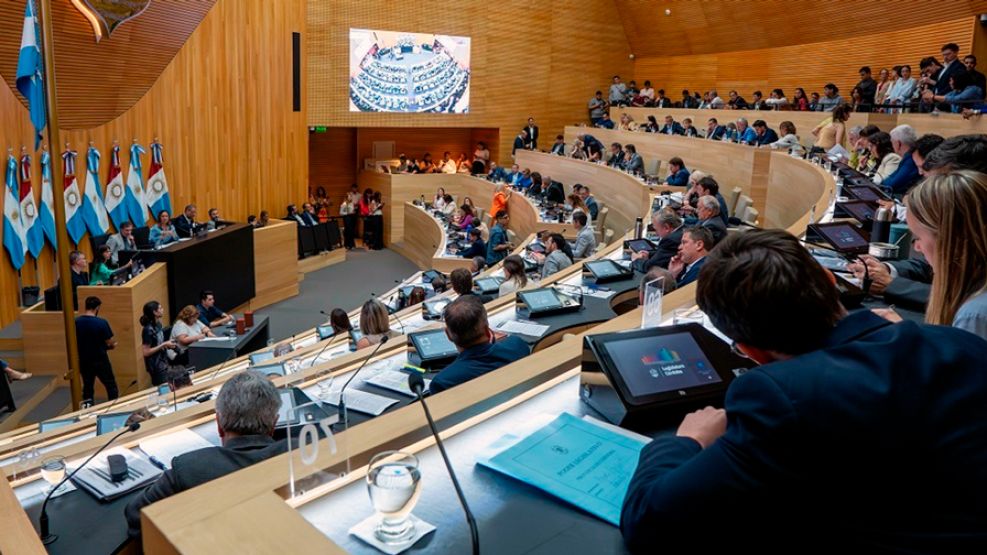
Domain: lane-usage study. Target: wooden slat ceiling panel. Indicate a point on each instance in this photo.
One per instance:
(714, 26)
(99, 81)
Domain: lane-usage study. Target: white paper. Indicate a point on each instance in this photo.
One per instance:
(523, 327)
(165, 448)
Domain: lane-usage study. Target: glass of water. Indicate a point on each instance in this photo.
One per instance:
(52, 471)
(394, 484)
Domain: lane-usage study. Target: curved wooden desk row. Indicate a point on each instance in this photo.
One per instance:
(947, 125)
(211, 517)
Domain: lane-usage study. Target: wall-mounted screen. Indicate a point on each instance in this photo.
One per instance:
(409, 72)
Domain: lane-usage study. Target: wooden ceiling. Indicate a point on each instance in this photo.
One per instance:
(710, 26)
(98, 82)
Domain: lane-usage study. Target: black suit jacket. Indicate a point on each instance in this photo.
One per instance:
(667, 248)
(532, 137)
(556, 193)
(183, 225)
(518, 145)
(979, 80)
(942, 80)
(913, 285)
(201, 466)
(874, 443)
(716, 226)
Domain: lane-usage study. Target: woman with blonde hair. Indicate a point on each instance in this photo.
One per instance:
(947, 215)
(375, 324)
(832, 130)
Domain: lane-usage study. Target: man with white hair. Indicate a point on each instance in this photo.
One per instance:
(708, 210)
(246, 412)
(903, 140)
(745, 133)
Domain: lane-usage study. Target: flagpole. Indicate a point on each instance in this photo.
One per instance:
(61, 231)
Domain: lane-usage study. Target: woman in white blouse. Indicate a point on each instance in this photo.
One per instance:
(514, 277)
(789, 140)
(882, 151)
(481, 158)
(188, 329)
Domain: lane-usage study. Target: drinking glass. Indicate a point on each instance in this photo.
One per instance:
(687, 316)
(52, 471)
(394, 485)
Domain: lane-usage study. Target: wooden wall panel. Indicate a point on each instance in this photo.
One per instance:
(729, 25)
(800, 65)
(415, 141)
(332, 162)
(222, 109)
(99, 81)
(528, 58)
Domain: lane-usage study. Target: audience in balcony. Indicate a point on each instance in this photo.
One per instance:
(800, 102)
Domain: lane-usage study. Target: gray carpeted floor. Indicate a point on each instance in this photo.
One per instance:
(345, 285)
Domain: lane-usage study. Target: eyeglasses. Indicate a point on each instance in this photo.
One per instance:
(736, 350)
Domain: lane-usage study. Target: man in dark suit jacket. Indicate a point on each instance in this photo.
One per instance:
(308, 215)
(671, 127)
(532, 131)
(479, 352)
(616, 159)
(246, 413)
(519, 142)
(714, 131)
(854, 435)
(693, 248)
(978, 79)
(185, 223)
(951, 66)
(906, 283)
(668, 226)
(765, 135)
(708, 211)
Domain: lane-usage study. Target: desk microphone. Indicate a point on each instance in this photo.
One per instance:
(328, 341)
(342, 403)
(400, 323)
(417, 385)
(47, 537)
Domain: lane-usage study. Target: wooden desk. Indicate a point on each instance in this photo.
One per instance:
(44, 335)
(275, 263)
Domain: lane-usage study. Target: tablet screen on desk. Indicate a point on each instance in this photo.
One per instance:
(604, 268)
(488, 284)
(540, 299)
(652, 365)
(844, 237)
(271, 369)
(435, 308)
(638, 245)
(107, 423)
(54, 424)
(864, 192)
(860, 210)
(433, 345)
(257, 358)
(325, 332)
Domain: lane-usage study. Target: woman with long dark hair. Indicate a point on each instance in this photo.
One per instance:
(153, 344)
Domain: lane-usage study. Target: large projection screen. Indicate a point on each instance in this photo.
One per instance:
(409, 72)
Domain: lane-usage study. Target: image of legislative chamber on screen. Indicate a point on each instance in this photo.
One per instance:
(408, 72)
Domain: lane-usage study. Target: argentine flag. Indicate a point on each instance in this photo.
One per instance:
(158, 198)
(116, 191)
(13, 230)
(30, 72)
(33, 233)
(46, 212)
(93, 209)
(135, 201)
(74, 223)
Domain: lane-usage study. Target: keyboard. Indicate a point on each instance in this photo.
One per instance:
(362, 401)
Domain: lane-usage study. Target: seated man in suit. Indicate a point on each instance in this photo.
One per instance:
(708, 210)
(695, 245)
(185, 224)
(555, 257)
(215, 220)
(854, 435)
(558, 147)
(554, 191)
(616, 159)
(584, 193)
(209, 313)
(633, 163)
(585, 244)
(678, 174)
(308, 215)
(477, 246)
(668, 227)
(671, 127)
(479, 351)
(496, 172)
(246, 413)
(121, 241)
(714, 131)
(745, 135)
(765, 135)
(906, 283)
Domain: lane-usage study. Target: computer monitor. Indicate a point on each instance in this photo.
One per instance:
(55, 424)
(844, 237)
(488, 285)
(324, 332)
(108, 423)
(607, 270)
(433, 347)
(259, 357)
(276, 369)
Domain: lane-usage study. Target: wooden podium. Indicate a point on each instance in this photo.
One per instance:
(44, 336)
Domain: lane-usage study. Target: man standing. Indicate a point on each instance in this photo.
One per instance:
(122, 241)
(868, 89)
(597, 107)
(668, 226)
(532, 130)
(479, 351)
(209, 313)
(950, 67)
(854, 435)
(970, 61)
(246, 413)
(695, 245)
(499, 246)
(95, 337)
(78, 265)
(618, 92)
